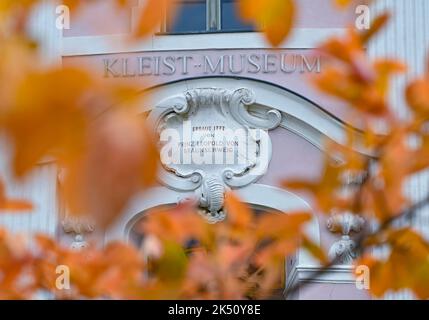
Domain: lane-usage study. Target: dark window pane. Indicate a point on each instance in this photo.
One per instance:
(190, 16)
(230, 18)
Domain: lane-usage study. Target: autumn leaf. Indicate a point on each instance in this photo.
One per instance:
(12, 205)
(178, 224)
(122, 274)
(352, 78)
(152, 16)
(119, 159)
(14, 262)
(15, 15)
(315, 250)
(239, 215)
(220, 273)
(274, 17)
(108, 154)
(280, 235)
(172, 264)
(342, 3)
(113, 271)
(324, 189)
(417, 95)
(42, 121)
(395, 167)
(17, 61)
(282, 225)
(95, 143)
(376, 25)
(406, 267)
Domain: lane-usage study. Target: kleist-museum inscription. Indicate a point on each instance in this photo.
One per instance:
(147, 64)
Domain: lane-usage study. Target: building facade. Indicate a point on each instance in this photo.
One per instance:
(210, 68)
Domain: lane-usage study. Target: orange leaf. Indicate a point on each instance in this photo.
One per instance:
(379, 22)
(275, 17)
(152, 16)
(406, 267)
(42, 120)
(352, 78)
(418, 97)
(178, 224)
(315, 250)
(12, 205)
(120, 158)
(342, 3)
(239, 215)
(281, 225)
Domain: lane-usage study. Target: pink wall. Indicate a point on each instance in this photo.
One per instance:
(293, 158)
(100, 17)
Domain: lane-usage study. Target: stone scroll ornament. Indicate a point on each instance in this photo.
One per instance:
(344, 250)
(210, 143)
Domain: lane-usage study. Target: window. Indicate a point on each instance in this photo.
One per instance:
(230, 20)
(205, 16)
(190, 16)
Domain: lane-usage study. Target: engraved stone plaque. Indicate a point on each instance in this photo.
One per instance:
(210, 142)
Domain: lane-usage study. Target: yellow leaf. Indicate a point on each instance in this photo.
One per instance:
(119, 159)
(342, 3)
(173, 263)
(42, 121)
(152, 16)
(274, 17)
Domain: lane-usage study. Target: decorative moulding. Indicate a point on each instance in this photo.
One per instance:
(339, 274)
(299, 115)
(203, 119)
(344, 250)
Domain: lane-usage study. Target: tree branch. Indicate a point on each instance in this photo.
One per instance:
(360, 242)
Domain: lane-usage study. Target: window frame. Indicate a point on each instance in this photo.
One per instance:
(213, 21)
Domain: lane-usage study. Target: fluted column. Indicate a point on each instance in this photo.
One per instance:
(40, 186)
(406, 38)
(43, 28)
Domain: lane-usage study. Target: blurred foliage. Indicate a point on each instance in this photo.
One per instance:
(66, 114)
